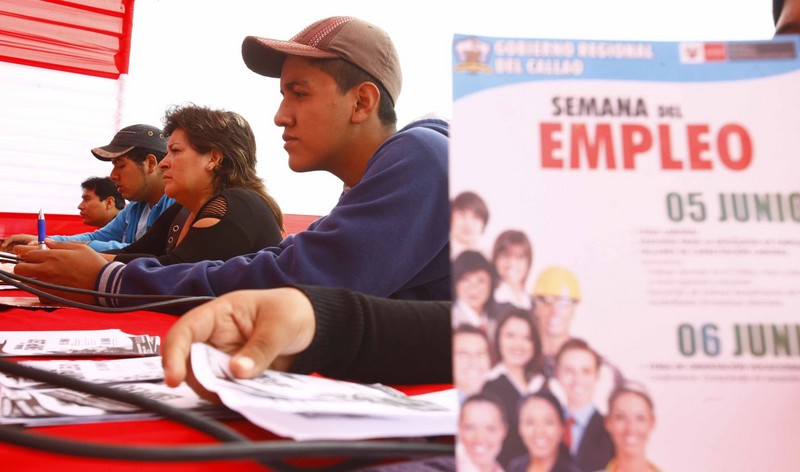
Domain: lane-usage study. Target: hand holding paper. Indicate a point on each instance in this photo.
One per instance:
(260, 328)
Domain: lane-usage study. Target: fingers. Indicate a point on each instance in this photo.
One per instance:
(79, 245)
(34, 263)
(200, 390)
(283, 326)
(256, 355)
(62, 263)
(195, 326)
(175, 355)
(261, 329)
(15, 240)
(22, 249)
(33, 253)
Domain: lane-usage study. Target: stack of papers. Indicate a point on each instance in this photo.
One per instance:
(301, 407)
(32, 403)
(105, 343)
(306, 407)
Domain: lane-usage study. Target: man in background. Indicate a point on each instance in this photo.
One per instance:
(471, 359)
(577, 373)
(100, 201)
(557, 296)
(135, 153)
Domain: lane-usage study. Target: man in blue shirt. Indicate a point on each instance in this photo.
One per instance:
(135, 153)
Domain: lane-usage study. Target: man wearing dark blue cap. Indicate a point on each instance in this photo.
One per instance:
(135, 153)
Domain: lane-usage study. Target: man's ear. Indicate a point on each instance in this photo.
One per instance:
(109, 202)
(367, 99)
(150, 163)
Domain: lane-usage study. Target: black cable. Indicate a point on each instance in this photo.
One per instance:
(358, 453)
(190, 418)
(236, 447)
(203, 452)
(11, 277)
(167, 300)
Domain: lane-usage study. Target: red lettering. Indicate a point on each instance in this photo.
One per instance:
(697, 147)
(665, 145)
(581, 142)
(631, 145)
(745, 146)
(550, 144)
(593, 146)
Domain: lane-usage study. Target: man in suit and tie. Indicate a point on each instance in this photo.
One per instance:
(576, 373)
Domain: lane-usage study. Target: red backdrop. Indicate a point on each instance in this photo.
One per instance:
(89, 37)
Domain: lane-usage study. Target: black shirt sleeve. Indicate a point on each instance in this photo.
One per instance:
(371, 339)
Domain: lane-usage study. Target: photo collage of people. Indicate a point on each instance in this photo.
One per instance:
(532, 396)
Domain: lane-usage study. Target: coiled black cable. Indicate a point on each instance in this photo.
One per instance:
(270, 453)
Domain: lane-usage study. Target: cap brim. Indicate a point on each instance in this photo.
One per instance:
(106, 153)
(265, 56)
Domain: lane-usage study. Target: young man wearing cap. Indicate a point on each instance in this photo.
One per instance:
(135, 153)
(387, 236)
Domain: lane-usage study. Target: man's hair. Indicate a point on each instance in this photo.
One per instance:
(466, 328)
(473, 202)
(138, 155)
(103, 187)
(347, 76)
(577, 344)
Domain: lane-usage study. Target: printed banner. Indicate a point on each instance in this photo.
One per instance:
(626, 232)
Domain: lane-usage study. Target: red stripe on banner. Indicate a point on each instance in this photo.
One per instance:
(90, 37)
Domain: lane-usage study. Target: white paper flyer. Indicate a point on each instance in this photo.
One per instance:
(646, 197)
(307, 407)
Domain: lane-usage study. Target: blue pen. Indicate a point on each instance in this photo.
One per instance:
(42, 231)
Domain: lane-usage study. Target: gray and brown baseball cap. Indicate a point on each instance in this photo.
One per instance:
(356, 41)
(145, 137)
